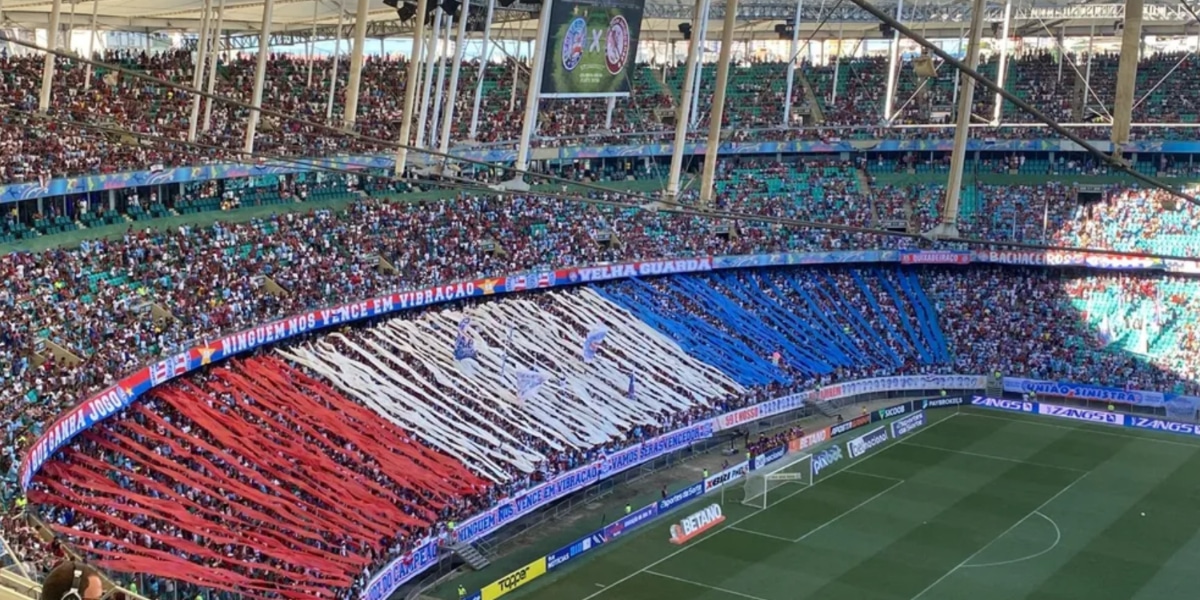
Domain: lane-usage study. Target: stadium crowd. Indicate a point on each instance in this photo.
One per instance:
(32, 147)
(116, 304)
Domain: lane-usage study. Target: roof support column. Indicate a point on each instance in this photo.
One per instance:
(837, 64)
(998, 108)
(87, 80)
(966, 98)
(337, 59)
(198, 67)
(427, 83)
(435, 122)
(212, 65)
(1131, 40)
(356, 60)
(793, 50)
(683, 106)
(260, 74)
(717, 115)
(483, 64)
(312, 45)
(48, 66)
(460, 45)
(410, 90)
(533, 97)
(893, 66)
(702, 34)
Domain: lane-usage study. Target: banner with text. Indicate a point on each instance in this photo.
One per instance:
(899, 383)
(591, 48)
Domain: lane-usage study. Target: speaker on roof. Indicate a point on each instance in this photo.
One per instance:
(785, 30)
(450, 7)
(686, 30)
(886, 30)
(406, 12)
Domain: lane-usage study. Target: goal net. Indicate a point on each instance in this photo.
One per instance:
(762, 484)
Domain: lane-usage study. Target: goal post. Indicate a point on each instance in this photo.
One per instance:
(761, 484)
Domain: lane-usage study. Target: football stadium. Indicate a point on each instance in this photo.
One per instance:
(599, 299)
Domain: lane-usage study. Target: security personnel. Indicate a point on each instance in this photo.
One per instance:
(462, 592)
(943, 393)
(705, 472)
(1111, 407)
(133, 587)
(628, 508)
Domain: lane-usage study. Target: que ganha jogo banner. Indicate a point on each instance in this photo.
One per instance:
(592, 48)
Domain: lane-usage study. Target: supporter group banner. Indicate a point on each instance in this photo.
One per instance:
(591, 48)
(899, 383)
(935, 257)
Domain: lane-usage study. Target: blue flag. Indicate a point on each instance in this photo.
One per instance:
(591, 344)
(464, 346)
(632, 386)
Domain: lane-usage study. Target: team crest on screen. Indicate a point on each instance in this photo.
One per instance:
(616, 51)
(572, 44)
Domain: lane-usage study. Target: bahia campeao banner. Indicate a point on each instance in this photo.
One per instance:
(592, 48)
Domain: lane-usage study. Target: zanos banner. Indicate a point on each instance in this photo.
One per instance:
(592, 48)
(1004, 404)
(1080, 414)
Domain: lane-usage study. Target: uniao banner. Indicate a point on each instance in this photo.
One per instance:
(899, 383)
(1082, 391)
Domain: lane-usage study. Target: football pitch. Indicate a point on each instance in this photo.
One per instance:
(977, 505)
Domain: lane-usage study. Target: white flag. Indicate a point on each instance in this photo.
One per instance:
(529, 383)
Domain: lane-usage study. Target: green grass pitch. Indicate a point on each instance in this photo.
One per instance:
(975, 506)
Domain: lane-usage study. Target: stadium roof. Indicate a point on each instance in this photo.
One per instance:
(293, 19)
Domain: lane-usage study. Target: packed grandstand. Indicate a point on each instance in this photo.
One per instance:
(300, 469)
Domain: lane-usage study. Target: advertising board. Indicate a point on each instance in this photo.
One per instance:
(514, 580)
(696, 523)
(864, 443)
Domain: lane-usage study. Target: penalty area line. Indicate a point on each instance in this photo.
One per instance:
(976, 553)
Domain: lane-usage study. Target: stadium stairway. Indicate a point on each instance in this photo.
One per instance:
(818, 114)
(470, 555)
